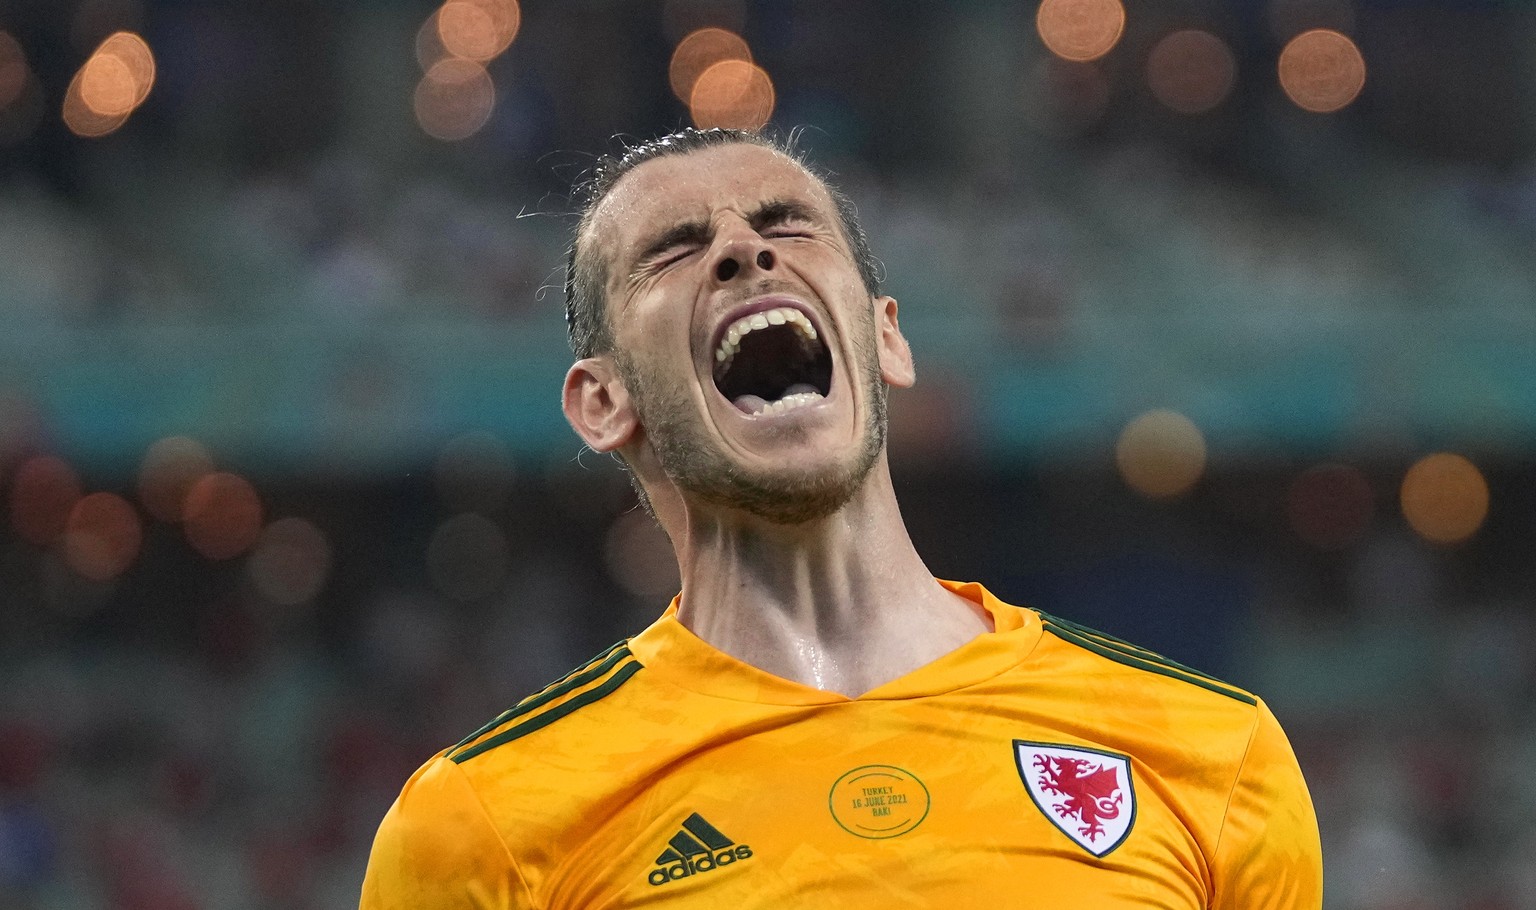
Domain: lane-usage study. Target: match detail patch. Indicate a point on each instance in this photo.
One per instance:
(1087, 794)
(878, 801)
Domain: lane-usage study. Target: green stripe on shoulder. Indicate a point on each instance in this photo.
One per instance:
(540, 721)
(1120, 644)
(582, 675)
(1140, 658)
(551, 691)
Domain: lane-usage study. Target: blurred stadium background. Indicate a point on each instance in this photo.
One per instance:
(1225, 313)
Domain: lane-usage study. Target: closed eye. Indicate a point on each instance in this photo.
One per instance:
(674, 245)
(673, 256)
(785, 219)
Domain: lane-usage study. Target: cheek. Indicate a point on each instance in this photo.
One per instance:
(657, 345)
(834, 271)
(658, 321)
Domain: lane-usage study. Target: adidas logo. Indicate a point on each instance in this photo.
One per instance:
(699, 847)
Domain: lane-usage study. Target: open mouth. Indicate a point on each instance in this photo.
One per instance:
(772, 362)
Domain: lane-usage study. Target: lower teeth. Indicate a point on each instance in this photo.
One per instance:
(752, 404)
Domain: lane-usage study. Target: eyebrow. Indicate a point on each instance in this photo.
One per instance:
(687, 232)
(778, 211)
(774, 211)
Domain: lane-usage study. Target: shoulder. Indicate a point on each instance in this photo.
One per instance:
(437, 847)
(1185, 728)
(1216, 744)
(475, 818)
(589, 684)
(1089, 648)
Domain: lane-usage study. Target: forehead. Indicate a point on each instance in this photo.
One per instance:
(697, 185)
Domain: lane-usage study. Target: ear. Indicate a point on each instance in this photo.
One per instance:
(598, 405)
(895, 356)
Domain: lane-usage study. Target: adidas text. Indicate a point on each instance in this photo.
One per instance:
(704, 862)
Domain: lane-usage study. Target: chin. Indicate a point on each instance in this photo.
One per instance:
(790, 498)
(794, 494)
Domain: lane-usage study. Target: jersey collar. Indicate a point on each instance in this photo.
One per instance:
(670, 651)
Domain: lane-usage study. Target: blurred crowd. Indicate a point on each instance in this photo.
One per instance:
(336, 244)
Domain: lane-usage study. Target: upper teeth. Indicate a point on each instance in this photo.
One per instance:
(739, 329)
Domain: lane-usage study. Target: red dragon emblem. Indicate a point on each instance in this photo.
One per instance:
(1087, 793)
(1092, 792)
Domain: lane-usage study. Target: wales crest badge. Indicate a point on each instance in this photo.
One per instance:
(1086, 793)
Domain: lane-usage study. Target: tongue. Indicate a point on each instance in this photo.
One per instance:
(749, 404)
(799, 388)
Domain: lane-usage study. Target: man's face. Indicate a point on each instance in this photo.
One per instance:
(742, 330)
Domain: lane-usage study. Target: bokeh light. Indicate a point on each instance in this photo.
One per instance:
(468, 557)
(1445, 498)
(454, 99)
(14, 72)
(734, 94)
(1080, 30)
(699, 51)
(102, 537)
(84, 122)
(135, 53)
(109, 86)
(20, 117)
(474, 473)
(1330, 505)
(169, 469)
(222, 515)
(1321, 70)
(640, 558)
(118, 77)
(44, 491)
(290, 563)
(429, 44)
(466, 30)
(478, 29)
(1161, 454)
(1191, 71)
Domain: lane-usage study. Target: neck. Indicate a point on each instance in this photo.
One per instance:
(843, 603)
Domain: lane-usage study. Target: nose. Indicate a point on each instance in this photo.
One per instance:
(741, 254)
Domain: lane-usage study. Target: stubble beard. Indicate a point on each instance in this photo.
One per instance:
(791, 495)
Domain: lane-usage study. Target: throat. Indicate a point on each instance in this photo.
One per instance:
(801, 613)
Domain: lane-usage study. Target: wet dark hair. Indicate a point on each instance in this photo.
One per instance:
(585, 273)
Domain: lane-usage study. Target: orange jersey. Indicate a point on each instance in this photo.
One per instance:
(1040, 765)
